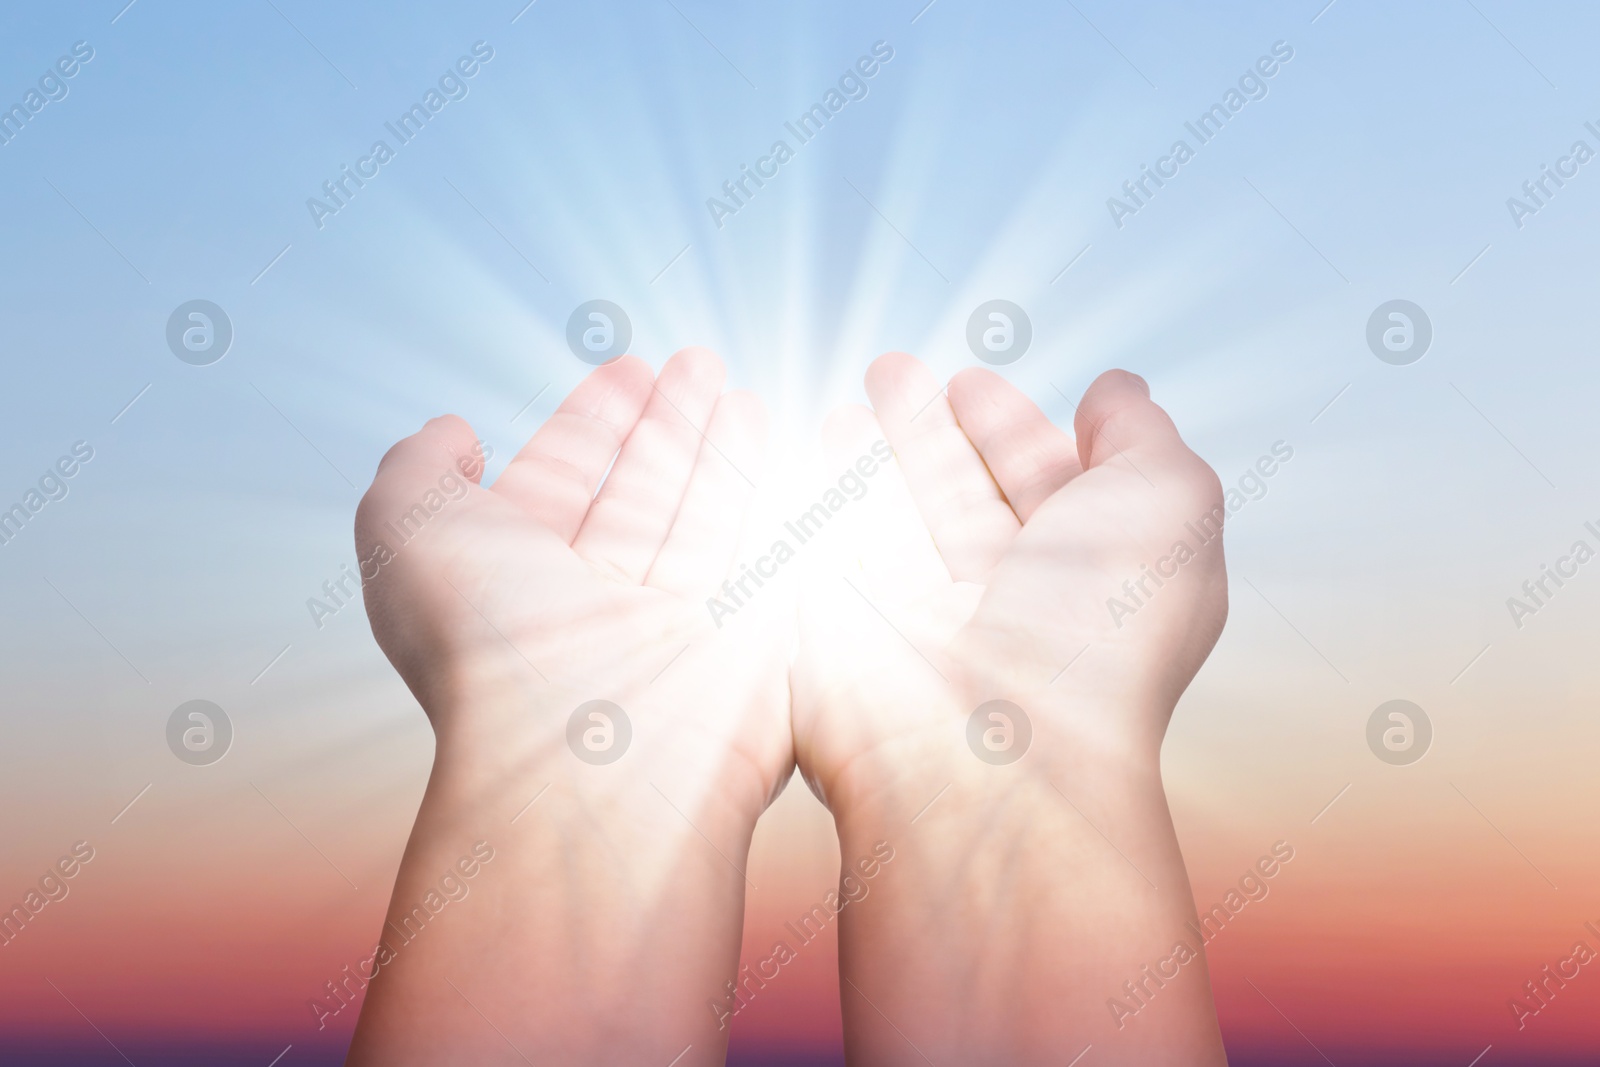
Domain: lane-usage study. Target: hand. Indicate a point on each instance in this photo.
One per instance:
(1024, 893)
(612, 912)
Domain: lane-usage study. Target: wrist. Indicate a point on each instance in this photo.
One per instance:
(625, 772)
(993, 754)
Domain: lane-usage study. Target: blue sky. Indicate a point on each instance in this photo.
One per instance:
(977, 167)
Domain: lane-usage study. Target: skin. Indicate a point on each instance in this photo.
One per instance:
(1023, 895)
(979, 565)
(611, 912)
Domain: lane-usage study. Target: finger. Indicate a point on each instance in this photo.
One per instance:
(1027, 454)
(439, 459)
(629, 520)
(968, 517)
(555, 475)
(1117, 422)
(700, 548)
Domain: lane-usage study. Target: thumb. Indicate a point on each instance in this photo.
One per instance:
(1118, 418)
(443, 458)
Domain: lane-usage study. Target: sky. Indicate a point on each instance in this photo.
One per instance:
(1384, 159)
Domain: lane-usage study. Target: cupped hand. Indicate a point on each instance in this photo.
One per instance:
(505, 608)
(609, 920)
(1016, 563)
(1035, 864)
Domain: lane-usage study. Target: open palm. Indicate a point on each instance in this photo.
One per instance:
(1035, 859)
(511, 612)
(540, 585)
(990, 577)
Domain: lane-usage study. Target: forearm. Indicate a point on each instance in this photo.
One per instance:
(1017, 907)
(598, 932)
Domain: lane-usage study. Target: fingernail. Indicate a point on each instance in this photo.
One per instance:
(1143, 385)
